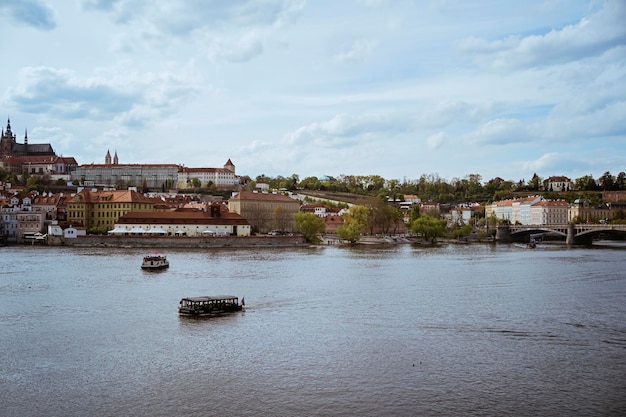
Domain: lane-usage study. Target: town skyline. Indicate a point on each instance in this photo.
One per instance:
(110, 159)
(396, 89)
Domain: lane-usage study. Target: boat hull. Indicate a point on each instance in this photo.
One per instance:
(155, 263)
(207, 306)
(208, 312)
(155, 267)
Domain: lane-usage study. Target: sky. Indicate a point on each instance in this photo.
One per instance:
(395, 88)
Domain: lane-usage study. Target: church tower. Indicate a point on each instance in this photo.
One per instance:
(229, 166)
(115, 160)
(7, 140)
(107, 158)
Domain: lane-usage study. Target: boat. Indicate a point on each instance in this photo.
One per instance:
(210, 305)
(155, 262)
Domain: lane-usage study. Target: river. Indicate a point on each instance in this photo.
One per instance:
(472, 330)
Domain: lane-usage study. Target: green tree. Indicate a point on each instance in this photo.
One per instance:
(429, 227)
(195, 182)
(586, 183)
(462, 231)
(356, 221)
(607, 181)
(310, 183)
(534, 183)
(415, 213)
(33, 182)
(309, 225)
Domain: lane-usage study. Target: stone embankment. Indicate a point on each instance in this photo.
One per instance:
(184, 241)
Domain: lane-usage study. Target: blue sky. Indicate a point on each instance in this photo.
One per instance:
(395, 88)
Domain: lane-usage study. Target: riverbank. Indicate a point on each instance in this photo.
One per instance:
(182, 241)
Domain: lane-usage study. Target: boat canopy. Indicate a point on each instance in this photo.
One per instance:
(157, 231)
(117, 231)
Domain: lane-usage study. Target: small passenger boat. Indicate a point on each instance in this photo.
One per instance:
(210, 305)
(155, 262)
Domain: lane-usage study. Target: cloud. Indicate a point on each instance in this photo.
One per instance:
(605, 121)
(591, 36)
(454, 111)
(60, 138)
(59, 93)
(435, 141)
(556, 163)
(500, 132)
(33, 13)
(345, 130)
(106, 5)
(235, 49)
(357, 51)
(62, 94)
(231, 30)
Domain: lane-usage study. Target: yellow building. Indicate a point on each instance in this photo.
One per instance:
(90, 208)
(264, 211)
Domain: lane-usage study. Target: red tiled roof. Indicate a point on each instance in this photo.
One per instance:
(178, 217)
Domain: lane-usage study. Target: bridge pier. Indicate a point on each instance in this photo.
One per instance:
(571, 233)
(503, 233)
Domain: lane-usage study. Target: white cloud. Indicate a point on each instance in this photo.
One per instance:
(591, 36)
(343, 130)
(435, 141)
(61, 93)
(500, 132)
(357, 51)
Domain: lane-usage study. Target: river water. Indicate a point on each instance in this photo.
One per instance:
(327, 331)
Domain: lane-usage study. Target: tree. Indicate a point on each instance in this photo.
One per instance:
(281, 219)
(607, 181)
(33, 182)
(620, 181)
(356, 221)
(309, 225)
(195, 183)
(586, 183)
(534, 183)
(462, 231)
(310, 183)
(429, 227)
(415, 213)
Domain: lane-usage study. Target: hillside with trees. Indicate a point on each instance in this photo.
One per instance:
(471, 188)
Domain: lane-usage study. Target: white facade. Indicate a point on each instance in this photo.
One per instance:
(221, 177)
(549, 213)
(181, 229)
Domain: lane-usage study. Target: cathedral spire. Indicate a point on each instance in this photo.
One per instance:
(25, 136)
(107, 158)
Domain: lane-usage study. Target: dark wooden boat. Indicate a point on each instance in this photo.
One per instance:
(210, 305)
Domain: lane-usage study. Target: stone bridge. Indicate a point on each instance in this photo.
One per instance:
(575, 234)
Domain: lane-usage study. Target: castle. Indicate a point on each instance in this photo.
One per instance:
(9, 146)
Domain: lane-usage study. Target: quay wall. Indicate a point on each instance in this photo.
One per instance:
(184, 241)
